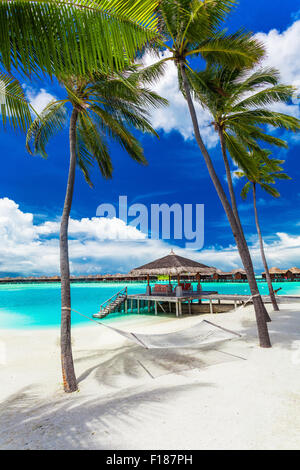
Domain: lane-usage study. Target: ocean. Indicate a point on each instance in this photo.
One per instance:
(28, 306)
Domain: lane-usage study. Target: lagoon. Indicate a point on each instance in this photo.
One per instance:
(33, 306)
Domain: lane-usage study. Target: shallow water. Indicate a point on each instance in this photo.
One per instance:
(27, 306)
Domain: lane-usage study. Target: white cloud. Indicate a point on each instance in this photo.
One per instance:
(176, 116)
(29, 248)
(38, 99)
(283, 52)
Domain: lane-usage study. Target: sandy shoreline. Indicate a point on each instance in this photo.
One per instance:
(238, 396)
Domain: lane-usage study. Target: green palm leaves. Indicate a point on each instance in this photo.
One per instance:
(192, 29)
(262, 171)
(108, 108)
(59, 37)
(239, 102)
(15, 110)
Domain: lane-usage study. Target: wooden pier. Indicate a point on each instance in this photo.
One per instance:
(189, 303)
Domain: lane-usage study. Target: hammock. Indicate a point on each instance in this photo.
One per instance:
(202, 334)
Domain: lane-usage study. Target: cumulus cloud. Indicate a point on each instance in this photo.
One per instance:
(283, 52)
(176, 116)
(32, 249)
(38, 99)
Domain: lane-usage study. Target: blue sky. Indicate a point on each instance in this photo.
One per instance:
(32, 189)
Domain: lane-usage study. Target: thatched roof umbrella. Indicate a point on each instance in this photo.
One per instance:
(172, 264)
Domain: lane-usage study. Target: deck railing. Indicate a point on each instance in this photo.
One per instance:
(122, 292)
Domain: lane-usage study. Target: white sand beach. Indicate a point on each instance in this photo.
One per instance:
(238, 396)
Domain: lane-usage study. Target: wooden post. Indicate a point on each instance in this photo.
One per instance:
(138, 305)
(190, 307)
(155, 306)
(148, 305)
(126, 306)
(180, 308)
(177, 309)
(211, 306)
(148, 279)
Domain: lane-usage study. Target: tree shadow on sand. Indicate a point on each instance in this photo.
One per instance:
(75, 422)
(283, 329)
(128, 398)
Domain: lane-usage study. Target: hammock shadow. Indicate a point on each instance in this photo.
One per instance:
(136, 363)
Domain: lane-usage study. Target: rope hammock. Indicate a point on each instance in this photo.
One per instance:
(202, 334)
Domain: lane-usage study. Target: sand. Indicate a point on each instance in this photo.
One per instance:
(237, 396)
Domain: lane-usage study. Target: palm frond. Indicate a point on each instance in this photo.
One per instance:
(116, 130)
(59, 37)
(265, 97)
(236, 50)
(92, 146)
(52, 119)
(264, 116)
(245, 190)
(15, 109)
(239, 154)
(270, 190)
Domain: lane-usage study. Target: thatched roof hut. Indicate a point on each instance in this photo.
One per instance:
(295, 270)
(172, 264)
(222, 275)
(276, 273)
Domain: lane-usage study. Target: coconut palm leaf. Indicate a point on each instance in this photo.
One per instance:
(60, 37)
(109, 107)
(15, 109)
(52, 120)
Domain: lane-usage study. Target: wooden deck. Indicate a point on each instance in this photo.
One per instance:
(188, 303)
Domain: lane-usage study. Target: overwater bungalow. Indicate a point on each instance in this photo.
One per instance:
(234, 275)
(276, 274)
(222, 276)
(239, 275)
(292, 274)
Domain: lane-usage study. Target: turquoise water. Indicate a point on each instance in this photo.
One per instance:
(38, 305)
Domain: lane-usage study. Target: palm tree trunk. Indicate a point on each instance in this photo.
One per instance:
(262, 251)
(68, 372)
(229, 181)
(260, 310)
(233, 200)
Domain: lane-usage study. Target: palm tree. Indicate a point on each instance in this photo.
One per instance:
(192, 29)
(15, 109)
(102, 108)
(66, 39)
(238, 101)
(262, 172)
